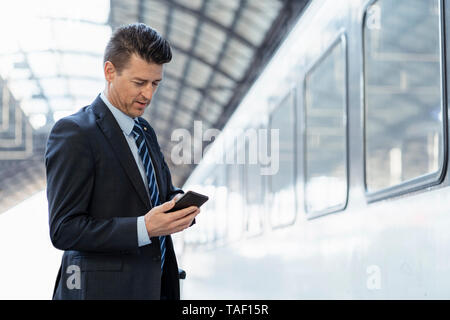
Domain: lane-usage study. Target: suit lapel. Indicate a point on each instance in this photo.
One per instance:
(108, 124)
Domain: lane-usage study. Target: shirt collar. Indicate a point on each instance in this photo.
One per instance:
(125, 122)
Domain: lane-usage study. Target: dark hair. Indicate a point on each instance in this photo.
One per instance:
(140, 39)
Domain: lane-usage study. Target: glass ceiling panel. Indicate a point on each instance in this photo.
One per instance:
(212, 34)
(61, 114)
(19, 74)
(220, 95)
(270, 11)
(207, 51)
(158, 126)
(234, 66)
(256, 20)
(222, 11)
(254, 16)
(29, 41)
(44, 64)
(198, 74)
(168, 93)
(236, 58)
(210, 110)
(62, 104)
(23, 88)
(264, 8)
(184, 114)
(34, 106)
(164, 110)
(221, 83)
(54, 87)
(6, 64)
(193, 4)
(241, 50)
(85, 88)
(155, 9)
(155, 16)
(82, 65)
(81, 102)
(190, 98)
(75, 35)
(181, 35)
(183, 119)
(184, 21)
(124, 11)
(54, 38)
(96, 11)
(251, 32)
(157, 25)
(169, 83)
(210, 42)
(176, 66)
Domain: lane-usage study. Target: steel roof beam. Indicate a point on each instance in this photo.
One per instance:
(200, 15)
(277, 32)
(191, 55)
(225, 44)
(187, 66)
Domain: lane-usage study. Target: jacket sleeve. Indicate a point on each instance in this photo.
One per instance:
(70, 168)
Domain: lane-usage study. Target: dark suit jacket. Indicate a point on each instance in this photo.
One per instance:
(95, 194)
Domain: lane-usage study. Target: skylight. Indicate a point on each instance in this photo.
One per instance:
(51, 54)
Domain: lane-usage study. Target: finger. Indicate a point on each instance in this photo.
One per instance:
(178, 196)
(183, 222)
(186, 222)
(182, 227)
(183, 212)
(165, 206)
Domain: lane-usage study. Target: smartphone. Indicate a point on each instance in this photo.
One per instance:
(188, 199)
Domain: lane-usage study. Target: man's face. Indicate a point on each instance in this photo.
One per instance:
(131, 91)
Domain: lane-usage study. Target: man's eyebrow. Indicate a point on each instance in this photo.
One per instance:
(140, 79)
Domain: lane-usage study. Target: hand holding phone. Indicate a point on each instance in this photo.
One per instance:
(157, 226)
(188, 199)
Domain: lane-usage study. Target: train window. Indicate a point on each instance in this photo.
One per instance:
(404, 127)
(254, 186)
(282, 182)
(326, 182)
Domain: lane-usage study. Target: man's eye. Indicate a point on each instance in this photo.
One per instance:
(138, 83)
(155, 84)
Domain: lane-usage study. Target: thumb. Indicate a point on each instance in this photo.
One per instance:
(167, 205)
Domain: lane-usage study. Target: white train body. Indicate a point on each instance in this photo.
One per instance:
(375, 224)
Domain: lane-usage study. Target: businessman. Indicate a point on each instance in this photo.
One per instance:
(108, 185)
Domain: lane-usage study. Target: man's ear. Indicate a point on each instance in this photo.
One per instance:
(109, 70)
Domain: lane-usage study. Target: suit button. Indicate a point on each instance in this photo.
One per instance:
(157, 258)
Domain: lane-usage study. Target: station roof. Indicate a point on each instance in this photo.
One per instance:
(54, 67)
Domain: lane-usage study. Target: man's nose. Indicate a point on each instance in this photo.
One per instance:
(148, 92)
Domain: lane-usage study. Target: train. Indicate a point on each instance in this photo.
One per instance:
(330, 180)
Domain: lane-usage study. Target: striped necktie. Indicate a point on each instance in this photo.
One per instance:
(144, 153)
